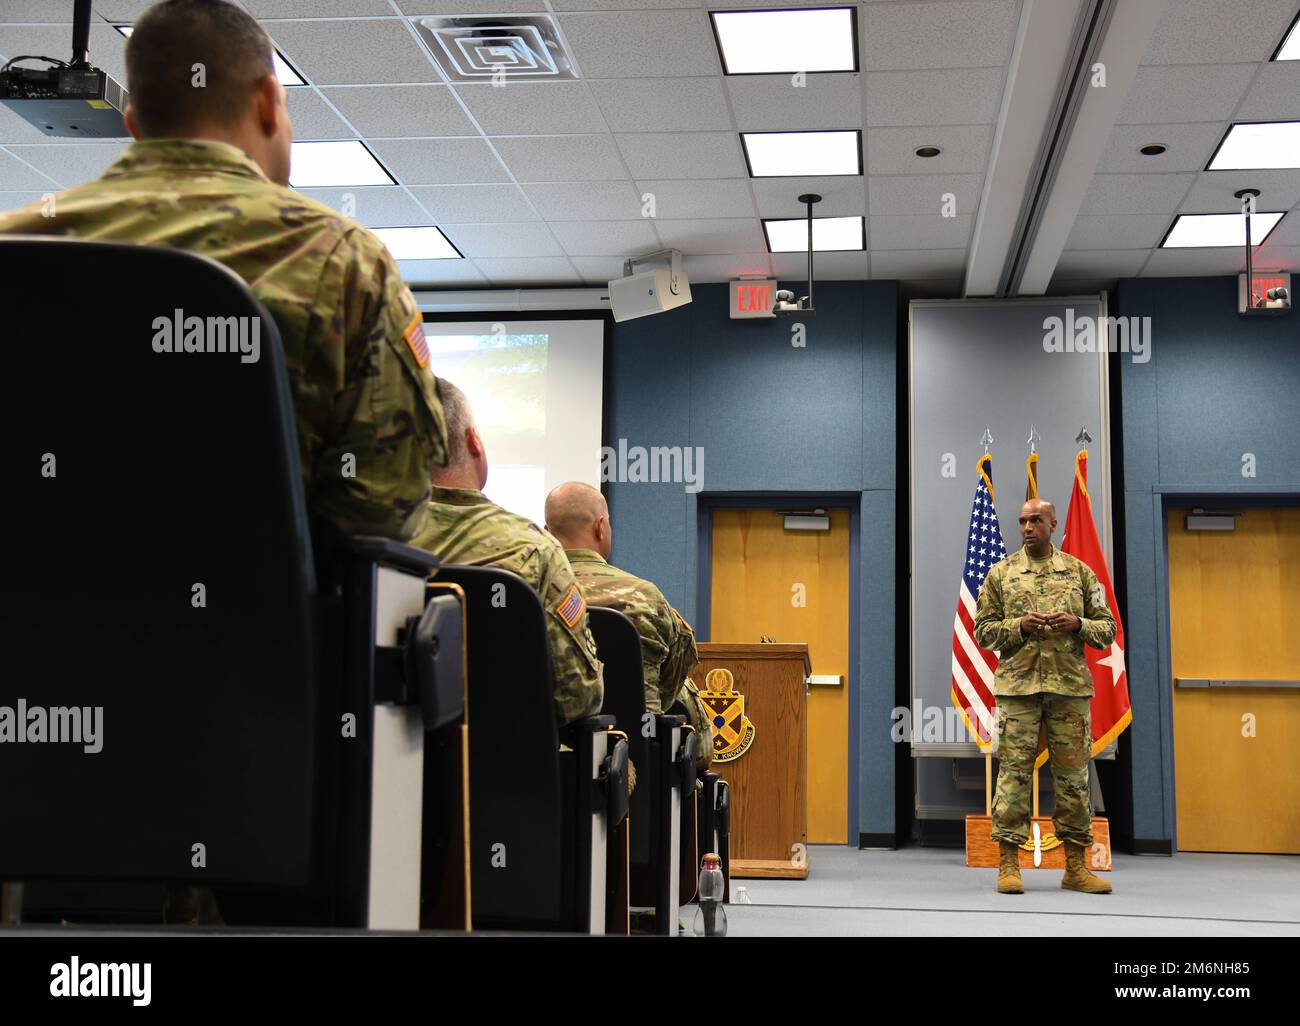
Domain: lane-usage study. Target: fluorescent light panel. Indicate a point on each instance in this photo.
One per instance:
(283, 69)
(417, 243)
(802, 154)
(1258, 145)
(1290, 48)
(1200, 231)
(316, 165)
(829, 234)
(784, 42)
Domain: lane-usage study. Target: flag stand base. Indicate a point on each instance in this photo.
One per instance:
(982, 851)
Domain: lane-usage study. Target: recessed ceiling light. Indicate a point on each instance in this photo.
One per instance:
(1290, 48)
(346, 162)
(928, 151)
(1260, 144)
(786, 42)
(1152, 150)
(417, 243)
(1198, 231)
(284, 71)
(829, 233)
(794, 154)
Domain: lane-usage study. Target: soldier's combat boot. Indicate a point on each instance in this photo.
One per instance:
(1077, 875)
(1009, 868)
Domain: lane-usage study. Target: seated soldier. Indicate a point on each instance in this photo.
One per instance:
(465, 526)
(209, 172)
(578, 516)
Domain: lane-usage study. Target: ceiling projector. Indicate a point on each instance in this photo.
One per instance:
(649, 292)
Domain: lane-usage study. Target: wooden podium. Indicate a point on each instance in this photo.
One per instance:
(769, 780)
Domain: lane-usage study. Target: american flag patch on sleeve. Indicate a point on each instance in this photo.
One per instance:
(414, 335)
(572, 606)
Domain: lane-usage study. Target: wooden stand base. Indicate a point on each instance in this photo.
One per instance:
(782, 869)
(982, 850)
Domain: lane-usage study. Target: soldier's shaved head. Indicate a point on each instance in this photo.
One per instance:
(1037, 522)
(577, 514)
(466, 457)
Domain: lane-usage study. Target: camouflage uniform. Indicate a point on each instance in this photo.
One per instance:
(356, 356)
(1043, 677)
(465, 526)
(668, 650)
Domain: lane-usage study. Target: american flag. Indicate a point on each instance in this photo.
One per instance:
(972, 666)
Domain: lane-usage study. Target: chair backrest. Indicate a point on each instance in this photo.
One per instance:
(158, 585)
(518, 833)
(619, 647)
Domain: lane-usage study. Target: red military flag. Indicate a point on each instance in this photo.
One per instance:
(1110, 705)
(972, 666)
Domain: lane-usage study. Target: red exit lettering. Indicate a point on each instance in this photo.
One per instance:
(752, 297)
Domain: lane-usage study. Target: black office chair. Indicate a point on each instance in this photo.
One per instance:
(662, 748)
(262, 732)
(539, 817)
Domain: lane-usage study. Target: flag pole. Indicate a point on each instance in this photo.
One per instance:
(987, 440)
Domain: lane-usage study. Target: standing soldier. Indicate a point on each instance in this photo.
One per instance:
(1038, 608)
(210, 173)
(465, 526)
(576, 513)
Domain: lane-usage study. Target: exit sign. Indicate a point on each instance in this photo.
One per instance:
(1278, 283)
(752, 299)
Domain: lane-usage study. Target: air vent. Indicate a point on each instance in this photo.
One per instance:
(479, 49)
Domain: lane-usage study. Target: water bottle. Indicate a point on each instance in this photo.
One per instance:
(711, 916)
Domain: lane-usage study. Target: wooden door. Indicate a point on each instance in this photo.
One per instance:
(1234, 606)
(793, 586)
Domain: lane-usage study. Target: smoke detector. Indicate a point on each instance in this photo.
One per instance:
(523, 47)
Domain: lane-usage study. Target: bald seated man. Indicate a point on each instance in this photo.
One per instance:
(465, 526)
(576, 513)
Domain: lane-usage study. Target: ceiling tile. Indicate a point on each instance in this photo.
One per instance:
(399, 111)
(598, 270)
(930, 231)
(317, 8)
(460, 7)
(841, 196)
(683, 155)
(578, 201)
(938, 35)
(533, 108)
(1214, 32)
(419, 273)
(542, 271)
(503, 240)
(474, 204)
(1135, 231)
(17, 176)
(1281, 258)
(67, 165)
(14, 200)
(1287, 232)
(605, 238)
(1101, 263)
(379, 207)
(622, 5)
(892, 151)
(923, 194)
(1170, 262)
(37, 11)
(365, 51)
(792, 269)
(642, 44)
(728, 197)
(771, 103)
(561, 158)
(1213, 191)
(1135, 194)
(1188, 147)
(1172, 94)
(312, 117)
(919, 263)
(729, 235)
(121, 12)
(966, 96)
(663, 104)
(708, 268)
(440, 161)
(1274, 95)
